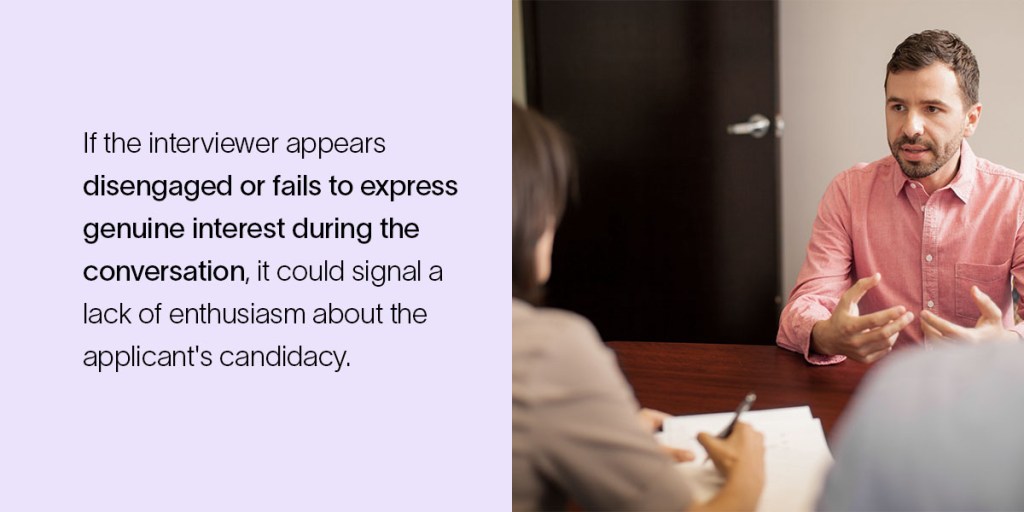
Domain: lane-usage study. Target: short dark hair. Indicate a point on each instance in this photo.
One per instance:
(921, 50)
(542, 170)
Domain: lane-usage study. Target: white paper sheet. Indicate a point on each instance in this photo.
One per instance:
(796, 455)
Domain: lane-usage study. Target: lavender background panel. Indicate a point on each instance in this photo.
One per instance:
(420, 417)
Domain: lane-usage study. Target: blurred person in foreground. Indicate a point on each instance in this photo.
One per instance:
(934, 430)
(577, 431)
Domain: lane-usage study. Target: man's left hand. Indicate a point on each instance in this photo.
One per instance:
(989, 326)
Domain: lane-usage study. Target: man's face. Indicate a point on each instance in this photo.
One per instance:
(926, 120)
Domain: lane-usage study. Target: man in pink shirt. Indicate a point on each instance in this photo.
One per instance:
(920, 245)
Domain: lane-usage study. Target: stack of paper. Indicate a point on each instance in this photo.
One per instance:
(796, 455)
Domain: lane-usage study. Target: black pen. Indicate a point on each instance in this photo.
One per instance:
(743, 407)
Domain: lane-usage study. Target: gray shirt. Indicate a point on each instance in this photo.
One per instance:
(934, 430)
(575, 432)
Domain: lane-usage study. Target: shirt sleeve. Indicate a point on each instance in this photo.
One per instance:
(588, 437)
(824, 276)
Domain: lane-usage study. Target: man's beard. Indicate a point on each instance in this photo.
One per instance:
(918, 170)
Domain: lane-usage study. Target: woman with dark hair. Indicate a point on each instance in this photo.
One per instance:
(576, 430)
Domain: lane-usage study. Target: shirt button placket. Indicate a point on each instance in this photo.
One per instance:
(929, 272)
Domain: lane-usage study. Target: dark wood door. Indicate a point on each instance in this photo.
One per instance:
(675, 233)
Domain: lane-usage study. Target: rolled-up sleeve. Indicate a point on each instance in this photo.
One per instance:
(824, 276)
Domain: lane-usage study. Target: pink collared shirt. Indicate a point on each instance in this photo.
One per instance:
(930, 250)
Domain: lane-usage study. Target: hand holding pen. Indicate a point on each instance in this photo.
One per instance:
(738, 452)
(743, 407)
(727, 431)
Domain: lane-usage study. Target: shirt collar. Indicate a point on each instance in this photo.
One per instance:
(962, 184)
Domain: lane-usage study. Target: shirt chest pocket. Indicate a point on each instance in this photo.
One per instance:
(993, 280)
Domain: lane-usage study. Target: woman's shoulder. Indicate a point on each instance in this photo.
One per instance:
(550, 327)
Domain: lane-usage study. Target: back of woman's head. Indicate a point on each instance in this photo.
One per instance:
(541, 173)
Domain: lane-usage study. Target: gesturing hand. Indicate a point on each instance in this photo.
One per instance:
(989, 326)
(861, 338)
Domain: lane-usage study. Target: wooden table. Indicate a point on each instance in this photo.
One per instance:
(694, 378)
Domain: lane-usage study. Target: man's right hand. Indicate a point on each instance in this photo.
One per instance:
(861, 338)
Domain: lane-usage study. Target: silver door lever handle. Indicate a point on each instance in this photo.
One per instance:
(757, 126)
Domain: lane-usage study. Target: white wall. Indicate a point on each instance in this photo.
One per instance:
(832, 64)
(518, 71)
